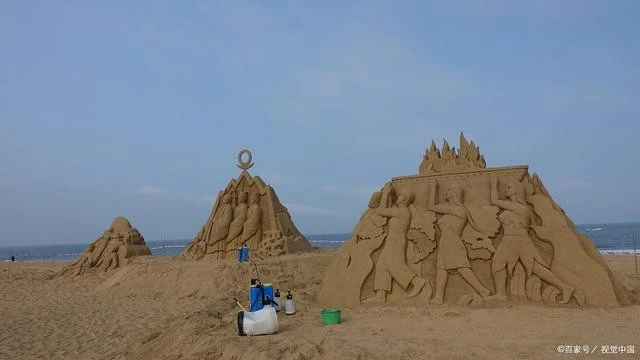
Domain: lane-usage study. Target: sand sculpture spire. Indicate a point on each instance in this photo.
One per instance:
(467, 157)
(111, 250)
(245, 164)
(473, 235)
(249, 212)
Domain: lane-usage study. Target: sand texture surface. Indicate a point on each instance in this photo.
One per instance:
(168, 308)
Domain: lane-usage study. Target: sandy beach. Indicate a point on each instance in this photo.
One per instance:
(167, 308)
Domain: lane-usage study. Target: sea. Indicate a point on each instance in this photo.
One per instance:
(611, 239)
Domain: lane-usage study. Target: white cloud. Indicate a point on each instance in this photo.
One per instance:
(206, 199)
(402, 138)
(309, 210)
(359, 191)
(361, 75)
(545, 9)
(570, 97)
(274, 178)
(158, 193)
(152, 191)
(573, 189)
(572, 184)
(202, 199)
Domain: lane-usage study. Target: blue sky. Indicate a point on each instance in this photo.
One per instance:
(140, 108)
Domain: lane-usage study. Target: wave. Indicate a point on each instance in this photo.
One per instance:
(167, 246)
(595, 229)
(619, 252)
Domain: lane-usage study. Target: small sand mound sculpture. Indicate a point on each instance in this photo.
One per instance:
(111, 250)
(247, 212)
(462, 233)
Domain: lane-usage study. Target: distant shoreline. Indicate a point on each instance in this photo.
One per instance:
(586, 227)
(609, 238)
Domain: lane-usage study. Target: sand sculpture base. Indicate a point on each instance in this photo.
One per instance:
(461, 233)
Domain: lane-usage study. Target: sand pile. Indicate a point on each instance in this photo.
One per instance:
(111, 250)
(247, 212)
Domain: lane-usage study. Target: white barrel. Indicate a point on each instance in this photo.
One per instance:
(261, 322)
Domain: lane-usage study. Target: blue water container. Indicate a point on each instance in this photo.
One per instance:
(255, 297)
(259, 293)
(243, 254)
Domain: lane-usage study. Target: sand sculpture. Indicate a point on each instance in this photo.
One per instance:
(462, 233)
(111, 250)
(249, 212)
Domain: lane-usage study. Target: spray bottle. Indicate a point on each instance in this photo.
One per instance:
(276, 300)
(289, 305)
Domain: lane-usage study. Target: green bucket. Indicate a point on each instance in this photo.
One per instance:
(330, 316)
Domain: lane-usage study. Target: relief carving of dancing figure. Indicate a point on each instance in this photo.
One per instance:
(237, 225)
(392, 263)
(220, 226)
(516, 244)
(251, 229)
(452, 253)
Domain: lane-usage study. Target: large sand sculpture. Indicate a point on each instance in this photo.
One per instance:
(111, 250)
(247, 212)
(462, 233)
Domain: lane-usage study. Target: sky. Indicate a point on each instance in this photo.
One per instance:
(140, 108)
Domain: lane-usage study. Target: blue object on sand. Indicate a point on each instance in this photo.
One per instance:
(255, 297)
(243, 254)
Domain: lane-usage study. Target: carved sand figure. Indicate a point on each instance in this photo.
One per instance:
(251, 230)
(370, 235)
(237, 225)
(219, 228)
(113, 261)
(452, 254)
(392, 263)
(541, 251)
(356, 265)
(517, 244)
(101, 246)
(573, 254)
(111, 250)
(371, 225)
(422, 233)
(263, 223)
(86, 260)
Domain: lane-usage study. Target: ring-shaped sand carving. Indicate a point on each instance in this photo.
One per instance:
(245, 165)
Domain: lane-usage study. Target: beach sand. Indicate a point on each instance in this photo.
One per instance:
(167, 308)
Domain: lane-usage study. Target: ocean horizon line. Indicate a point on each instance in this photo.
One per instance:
(67, 259)
(158, 240)
(591, 228)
